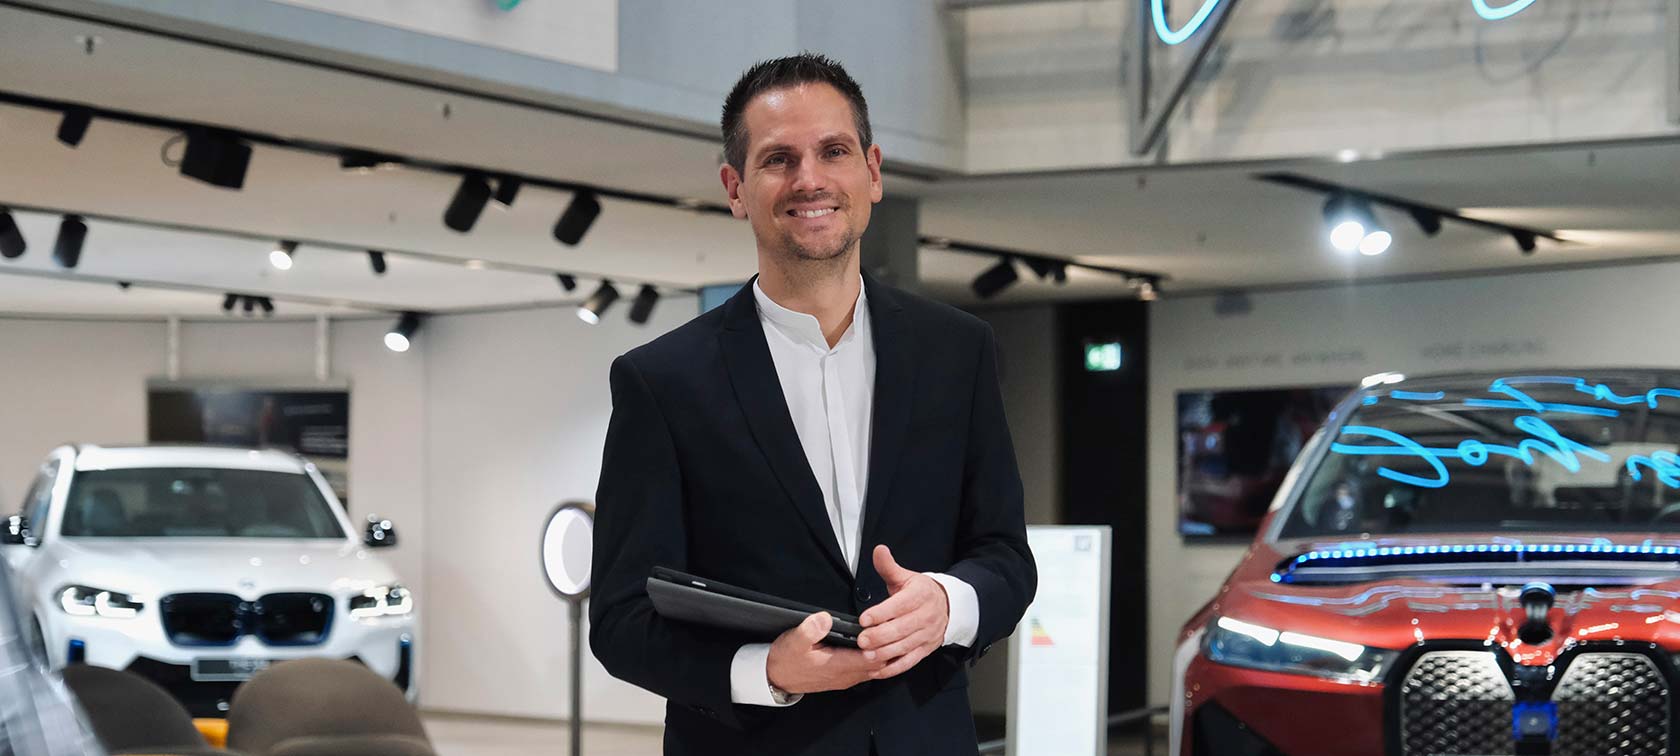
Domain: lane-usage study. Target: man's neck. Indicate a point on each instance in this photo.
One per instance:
(827, 293)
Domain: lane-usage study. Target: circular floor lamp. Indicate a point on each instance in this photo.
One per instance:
(567, 548)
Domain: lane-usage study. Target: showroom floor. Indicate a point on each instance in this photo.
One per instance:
(467, 735)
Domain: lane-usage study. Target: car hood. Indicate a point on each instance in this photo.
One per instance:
(247, 567)
(1395, 613)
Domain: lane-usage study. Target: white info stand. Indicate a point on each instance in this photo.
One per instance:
(1058, 656)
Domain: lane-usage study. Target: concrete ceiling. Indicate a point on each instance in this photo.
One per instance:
(1206, 228)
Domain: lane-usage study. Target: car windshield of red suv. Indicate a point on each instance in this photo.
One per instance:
(1553, 453)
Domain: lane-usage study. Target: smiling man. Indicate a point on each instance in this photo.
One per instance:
(821, 437)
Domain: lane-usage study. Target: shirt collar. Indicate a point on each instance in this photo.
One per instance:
(806, 327)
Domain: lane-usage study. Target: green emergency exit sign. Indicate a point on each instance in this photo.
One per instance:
(1101, 358)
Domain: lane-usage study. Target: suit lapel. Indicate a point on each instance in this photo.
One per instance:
(758, 389)
(895, 376)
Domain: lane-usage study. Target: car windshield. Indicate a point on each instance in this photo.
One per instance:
(1558, 453)
(196, 502)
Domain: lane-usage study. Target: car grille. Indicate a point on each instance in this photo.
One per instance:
(219, 619)
(1459, 703)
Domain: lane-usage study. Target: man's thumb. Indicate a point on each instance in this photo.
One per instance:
(886, 566)
(816, 627)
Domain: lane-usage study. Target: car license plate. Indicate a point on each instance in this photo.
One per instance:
(224, 670)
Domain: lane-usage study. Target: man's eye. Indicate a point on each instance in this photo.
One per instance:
(836, 151)
(775, 160)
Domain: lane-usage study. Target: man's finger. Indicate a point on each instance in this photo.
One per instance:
(900, 665)
(815, 628)
(873, 639)
(896, 605)
(888, 568)
(892, 651)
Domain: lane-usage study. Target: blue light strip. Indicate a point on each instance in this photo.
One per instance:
(1171, 37)
(1646, 549)
(1482, 9)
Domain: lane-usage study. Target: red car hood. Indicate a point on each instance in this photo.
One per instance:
(1398, 613)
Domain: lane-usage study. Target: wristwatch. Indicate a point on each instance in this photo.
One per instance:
(782, 697)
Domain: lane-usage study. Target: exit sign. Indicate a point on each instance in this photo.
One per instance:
(1101, 358)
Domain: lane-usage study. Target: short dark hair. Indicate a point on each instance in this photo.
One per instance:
(781, 73)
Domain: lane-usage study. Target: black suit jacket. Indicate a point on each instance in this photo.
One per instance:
(703, 472)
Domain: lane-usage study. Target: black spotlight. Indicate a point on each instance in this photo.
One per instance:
(376, 259)
(995, 279)
(1428, 220)
(567, 282)
(468, 203)
(267, 306)
(72, 232)
(250, 306)
(124, 285)
(74, 126)
(362, 161)
(397, 339)
(507, 188)
(216, 157)
(575, 222)
(1525, 241)
(590, 311)
(642, 308)
(12, 245)
(228, 302)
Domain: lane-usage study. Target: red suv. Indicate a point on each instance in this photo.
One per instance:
(1466, 565)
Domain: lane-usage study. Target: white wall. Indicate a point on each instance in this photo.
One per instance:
(517, 408)
(1607, 316)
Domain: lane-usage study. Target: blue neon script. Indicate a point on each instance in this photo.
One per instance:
(1542, 438)
(1173, 36)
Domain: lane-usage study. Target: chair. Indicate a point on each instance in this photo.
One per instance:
(133, 715)
(324, 707)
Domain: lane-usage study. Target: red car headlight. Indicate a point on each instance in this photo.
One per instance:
(1244, 644)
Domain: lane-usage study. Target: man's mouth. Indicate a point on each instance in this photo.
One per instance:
(812, 213)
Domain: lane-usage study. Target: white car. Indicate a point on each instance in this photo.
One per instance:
(197, 566)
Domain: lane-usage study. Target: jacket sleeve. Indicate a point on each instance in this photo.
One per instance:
(992, 552)
(639, 525)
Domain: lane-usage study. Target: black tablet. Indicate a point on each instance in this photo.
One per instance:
(681, 596)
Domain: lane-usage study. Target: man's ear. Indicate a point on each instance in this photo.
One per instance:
(873, 158)
(732, 187)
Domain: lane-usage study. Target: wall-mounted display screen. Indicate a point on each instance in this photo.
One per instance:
(1234, 447)
(312, 423)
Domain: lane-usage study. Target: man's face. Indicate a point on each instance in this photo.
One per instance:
(808, 184)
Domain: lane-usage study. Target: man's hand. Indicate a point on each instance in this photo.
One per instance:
(910, 624)
(800, 663)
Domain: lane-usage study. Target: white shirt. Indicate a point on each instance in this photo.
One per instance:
(830, 393)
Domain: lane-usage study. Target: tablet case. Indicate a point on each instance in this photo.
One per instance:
(681, 596)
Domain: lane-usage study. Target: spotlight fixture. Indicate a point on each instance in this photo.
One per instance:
(376, 260)
(281, 256)
(364, 162)
(995, 279)
(642, 308)
(12, 245)
(507, 188)
(567, 282)
(267, 306)
(1353, 226)
(72, 232)
(1428, 220)
(124, 285)
(217, 158)
(1146, 291)
(1525, 241)
(397, 339)
(1047, 269)
(591, 310)
(74, 126)
(228, 302)
(250, 305)
(576, 220)
(468, 203)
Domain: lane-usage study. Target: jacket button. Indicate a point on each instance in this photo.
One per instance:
(862, 594)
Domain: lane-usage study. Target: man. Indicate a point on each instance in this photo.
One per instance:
(820, 437)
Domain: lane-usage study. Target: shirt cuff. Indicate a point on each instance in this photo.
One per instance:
(964, 623)
(749, 677)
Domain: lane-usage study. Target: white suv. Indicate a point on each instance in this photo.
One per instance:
(197, 566)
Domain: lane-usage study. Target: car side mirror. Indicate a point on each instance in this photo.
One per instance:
(16, 532)
(380, 533)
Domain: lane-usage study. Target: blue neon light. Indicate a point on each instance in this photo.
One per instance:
(1171, 37)
(1648, 549)
(1494, 14)
(1418, 396)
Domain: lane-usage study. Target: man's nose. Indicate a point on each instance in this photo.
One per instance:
(808, 176)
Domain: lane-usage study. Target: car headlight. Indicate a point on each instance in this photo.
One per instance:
(82, 601)
(382, 601)
(1243, 644)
